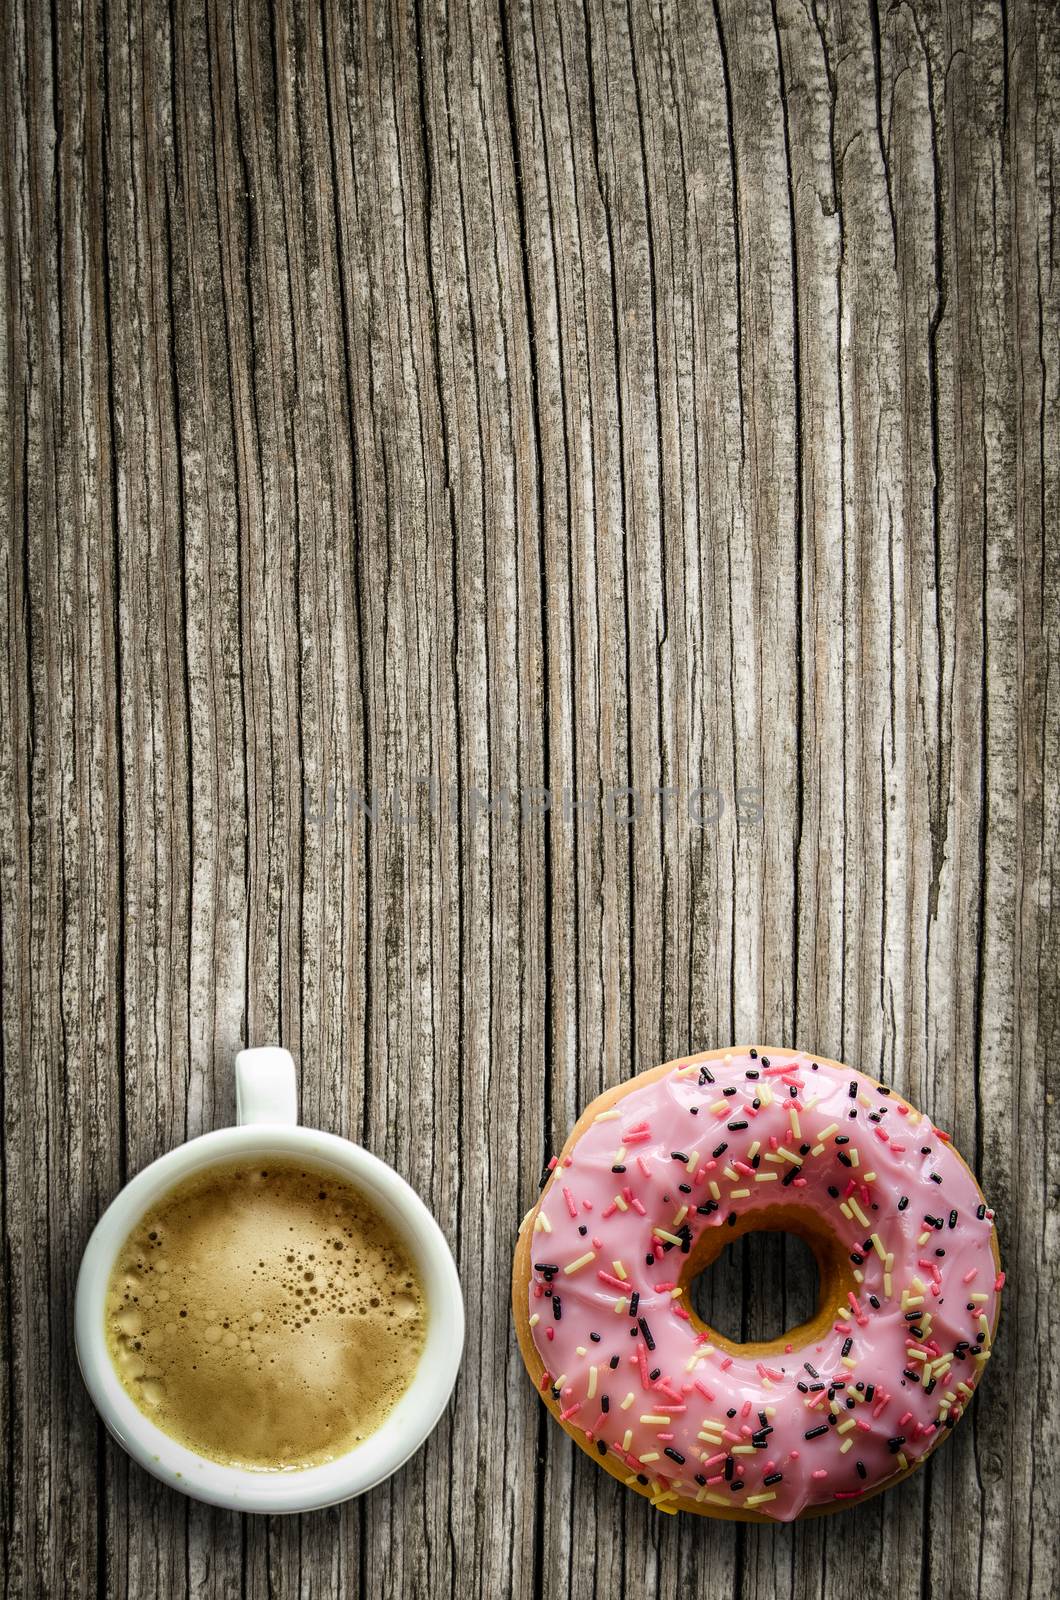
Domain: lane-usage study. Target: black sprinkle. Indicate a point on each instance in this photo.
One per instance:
(731, 1218)
(720, 1151)
(811, 1370)
(853, 1090)
(847, 1346)
(583, 1230)
(595, 1337)
(936, 1177)
(774, 1477)
(674, 1455)
(815, 1433)
(605, 1402)
(895, 1444)
(729, 1092)
(953, 1219)
(601, 1445)
(735, 1127)
(980, 1212)
(833, 1191)
(903, 1202)
(646, 1331)
(678, 1155)
(705, 1075)
(861, 1469)
(557, 1308)
(634, 1302)
(613, 1363)
(753, 1054)
(700, 1478)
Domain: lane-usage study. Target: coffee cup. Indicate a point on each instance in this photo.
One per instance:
(268, 1128)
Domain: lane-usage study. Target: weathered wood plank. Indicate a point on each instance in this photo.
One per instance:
(410, 405)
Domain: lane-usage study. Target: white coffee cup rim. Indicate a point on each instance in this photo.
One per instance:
(266, 1098)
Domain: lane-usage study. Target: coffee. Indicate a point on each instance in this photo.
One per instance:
(265, 1315)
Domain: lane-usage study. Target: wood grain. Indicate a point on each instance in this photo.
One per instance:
(424, 425)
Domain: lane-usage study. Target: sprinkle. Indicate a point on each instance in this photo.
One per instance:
(671, 1238)
(765, 1177)
(654, 1419)
(759, 1499)
(740, 1194)
(582, 1261)
(590, 1390)
(607, 1116)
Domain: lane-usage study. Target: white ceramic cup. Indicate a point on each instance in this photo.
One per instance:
(267, 1113)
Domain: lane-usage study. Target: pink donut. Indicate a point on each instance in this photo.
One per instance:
(656, 1178)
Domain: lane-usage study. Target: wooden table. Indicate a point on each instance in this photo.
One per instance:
(531, 547)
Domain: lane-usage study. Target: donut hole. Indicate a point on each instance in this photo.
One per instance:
(760, 1287)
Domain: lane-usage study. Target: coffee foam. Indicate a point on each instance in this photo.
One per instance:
(265, 1316)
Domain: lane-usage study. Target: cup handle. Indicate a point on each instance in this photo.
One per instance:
(266, 1090)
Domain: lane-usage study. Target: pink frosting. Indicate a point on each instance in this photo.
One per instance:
(697, 1148)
